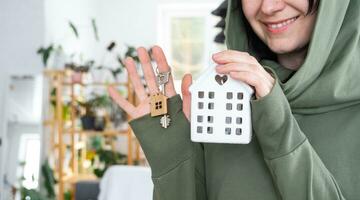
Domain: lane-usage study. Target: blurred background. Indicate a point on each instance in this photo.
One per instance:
(61, 136)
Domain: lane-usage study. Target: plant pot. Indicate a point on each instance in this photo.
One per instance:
(99, 124)
(88, 122)
(76, 77)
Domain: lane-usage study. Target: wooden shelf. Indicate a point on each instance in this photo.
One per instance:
(105, 132)
(48, 122)
(66, 133)
(53, 72)
(95, 84)
(80, 177)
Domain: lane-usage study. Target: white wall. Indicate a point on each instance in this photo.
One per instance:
(22, 31)
(125, 21)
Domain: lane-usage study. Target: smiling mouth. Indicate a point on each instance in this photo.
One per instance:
(280, 26)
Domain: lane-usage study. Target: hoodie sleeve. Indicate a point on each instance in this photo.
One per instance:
(176, 162)
(297, 170)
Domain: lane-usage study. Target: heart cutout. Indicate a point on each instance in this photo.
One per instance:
(221, 79)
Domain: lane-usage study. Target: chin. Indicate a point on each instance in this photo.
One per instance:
(281, 49)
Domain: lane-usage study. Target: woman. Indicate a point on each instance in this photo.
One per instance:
(302, 58)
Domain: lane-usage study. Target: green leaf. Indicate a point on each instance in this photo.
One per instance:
(95, 29)
(111, 46)
(116, 71)
(131, 52)
(45, 52)
(74, 29)
(49, 179)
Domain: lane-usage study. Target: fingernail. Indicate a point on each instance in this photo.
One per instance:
(129, 60)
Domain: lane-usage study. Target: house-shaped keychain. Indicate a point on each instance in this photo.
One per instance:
(158, 105)
(220, 109)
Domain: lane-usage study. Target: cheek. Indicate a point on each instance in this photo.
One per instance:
(299, 5)
(307, 28)
(251, 8)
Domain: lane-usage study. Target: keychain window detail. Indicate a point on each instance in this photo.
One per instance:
(238, 120)
(210, 119)
(211, 95)
(228, 106)
(201, 94)
(158, 105)
(199, 118)
(238, 131)
(200, 105)
(227, 131)
(211, 106)
(228, 120)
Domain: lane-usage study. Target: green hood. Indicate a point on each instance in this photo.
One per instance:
(329, 79)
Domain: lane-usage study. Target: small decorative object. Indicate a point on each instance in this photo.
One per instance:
(76, 77)
(220, 109)
(158, 105)
(158, 102)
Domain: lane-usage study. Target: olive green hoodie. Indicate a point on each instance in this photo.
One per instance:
(306, 130)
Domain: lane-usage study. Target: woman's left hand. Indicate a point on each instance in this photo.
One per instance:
(244, 67)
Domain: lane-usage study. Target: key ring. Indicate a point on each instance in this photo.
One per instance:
(162, 77)
(158, 72)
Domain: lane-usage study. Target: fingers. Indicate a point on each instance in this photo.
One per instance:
(148, 70)
(227, 68)
(163, 66)
(186, 82)
(228, 56)
(135, 79)
(262, 87)
(121, 101)
(238, 67)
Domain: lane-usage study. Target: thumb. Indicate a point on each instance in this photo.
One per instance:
(186, 82)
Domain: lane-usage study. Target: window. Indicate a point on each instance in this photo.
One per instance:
(200, 105)
(199, 118)
(29, 155)
(211, 106)
(228, 106)
(201, 94)
(186, 31)
(227, 131)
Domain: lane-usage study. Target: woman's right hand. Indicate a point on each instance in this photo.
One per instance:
(143, 107)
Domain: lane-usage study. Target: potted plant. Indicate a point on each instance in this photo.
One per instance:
(87, 115)
(103, 157)
(95, 111)
(77, 71)
(101, 105)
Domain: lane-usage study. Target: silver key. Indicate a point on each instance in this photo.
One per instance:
(165, 121)
(162, 79)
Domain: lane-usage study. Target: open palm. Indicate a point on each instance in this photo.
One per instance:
(143, 107)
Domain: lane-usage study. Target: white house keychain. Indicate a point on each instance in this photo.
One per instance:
(220, 109)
